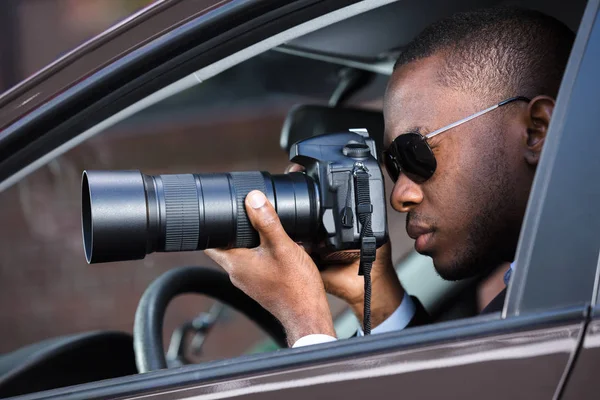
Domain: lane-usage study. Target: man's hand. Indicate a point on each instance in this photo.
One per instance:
(278, 274)
(341, 279)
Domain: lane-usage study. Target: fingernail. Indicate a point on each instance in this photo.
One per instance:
(256, 199)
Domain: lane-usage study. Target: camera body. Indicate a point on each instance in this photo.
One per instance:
(332, 161)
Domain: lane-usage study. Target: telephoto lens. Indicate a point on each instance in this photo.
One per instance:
(126, 214)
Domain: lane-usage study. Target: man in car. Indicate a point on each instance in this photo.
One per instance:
(474, 93)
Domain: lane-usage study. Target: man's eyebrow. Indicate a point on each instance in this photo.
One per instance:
(415, 129)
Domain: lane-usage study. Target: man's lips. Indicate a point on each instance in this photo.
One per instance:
(422, 236)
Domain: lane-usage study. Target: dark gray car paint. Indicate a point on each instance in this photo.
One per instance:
(520, 365)
(440, 340)
(123, 38)
(583, 382)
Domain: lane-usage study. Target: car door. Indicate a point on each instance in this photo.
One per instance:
(582, 382)
(527, 351)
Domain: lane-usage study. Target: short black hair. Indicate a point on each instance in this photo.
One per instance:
(498, 52)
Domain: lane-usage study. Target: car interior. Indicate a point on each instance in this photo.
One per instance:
(332, 79)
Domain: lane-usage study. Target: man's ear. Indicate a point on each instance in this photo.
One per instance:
(539, 113)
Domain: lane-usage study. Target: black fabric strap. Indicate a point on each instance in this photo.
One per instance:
(368, 245)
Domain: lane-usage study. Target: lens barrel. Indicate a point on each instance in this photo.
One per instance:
(126, 214)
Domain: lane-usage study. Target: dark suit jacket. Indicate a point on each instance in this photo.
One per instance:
(496, 304)
(421, 316)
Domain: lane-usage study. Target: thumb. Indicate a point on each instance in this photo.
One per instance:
(263, 217)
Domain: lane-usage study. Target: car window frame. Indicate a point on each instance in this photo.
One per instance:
(542, 279)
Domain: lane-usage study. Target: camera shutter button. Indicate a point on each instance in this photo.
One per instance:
(356, 150)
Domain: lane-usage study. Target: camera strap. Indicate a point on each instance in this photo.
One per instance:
(368, 245)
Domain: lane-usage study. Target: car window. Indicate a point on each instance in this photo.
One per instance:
(231, 122)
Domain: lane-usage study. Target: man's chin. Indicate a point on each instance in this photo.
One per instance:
(452, 271)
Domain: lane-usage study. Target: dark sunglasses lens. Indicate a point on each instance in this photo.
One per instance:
(391, 166)
(414, 157)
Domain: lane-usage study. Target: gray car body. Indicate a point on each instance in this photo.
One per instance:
(544, 344)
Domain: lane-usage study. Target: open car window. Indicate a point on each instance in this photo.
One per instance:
(230, 122)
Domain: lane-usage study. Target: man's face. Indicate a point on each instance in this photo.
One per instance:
(467, 216)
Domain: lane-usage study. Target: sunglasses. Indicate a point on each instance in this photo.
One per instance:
(411, 155)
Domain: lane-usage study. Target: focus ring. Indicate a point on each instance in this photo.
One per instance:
(244, 183)
(182, 219)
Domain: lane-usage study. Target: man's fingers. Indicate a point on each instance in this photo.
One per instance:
(263, 217)
(216, 255)
(294, 168)
(226, 258)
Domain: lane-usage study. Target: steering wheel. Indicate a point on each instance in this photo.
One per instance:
(147, 329)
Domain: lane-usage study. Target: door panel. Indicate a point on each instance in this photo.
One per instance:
(480, 357)
(518, 365)
(583, 382)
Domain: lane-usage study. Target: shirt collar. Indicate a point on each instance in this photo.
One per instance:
(508, 273)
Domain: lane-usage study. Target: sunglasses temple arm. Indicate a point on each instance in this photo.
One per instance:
(462, 121)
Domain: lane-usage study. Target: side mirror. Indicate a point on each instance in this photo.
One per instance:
(304, 121)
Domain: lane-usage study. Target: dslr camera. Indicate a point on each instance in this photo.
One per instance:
(127, 214)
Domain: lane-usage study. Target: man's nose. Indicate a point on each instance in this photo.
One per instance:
(406, 194)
